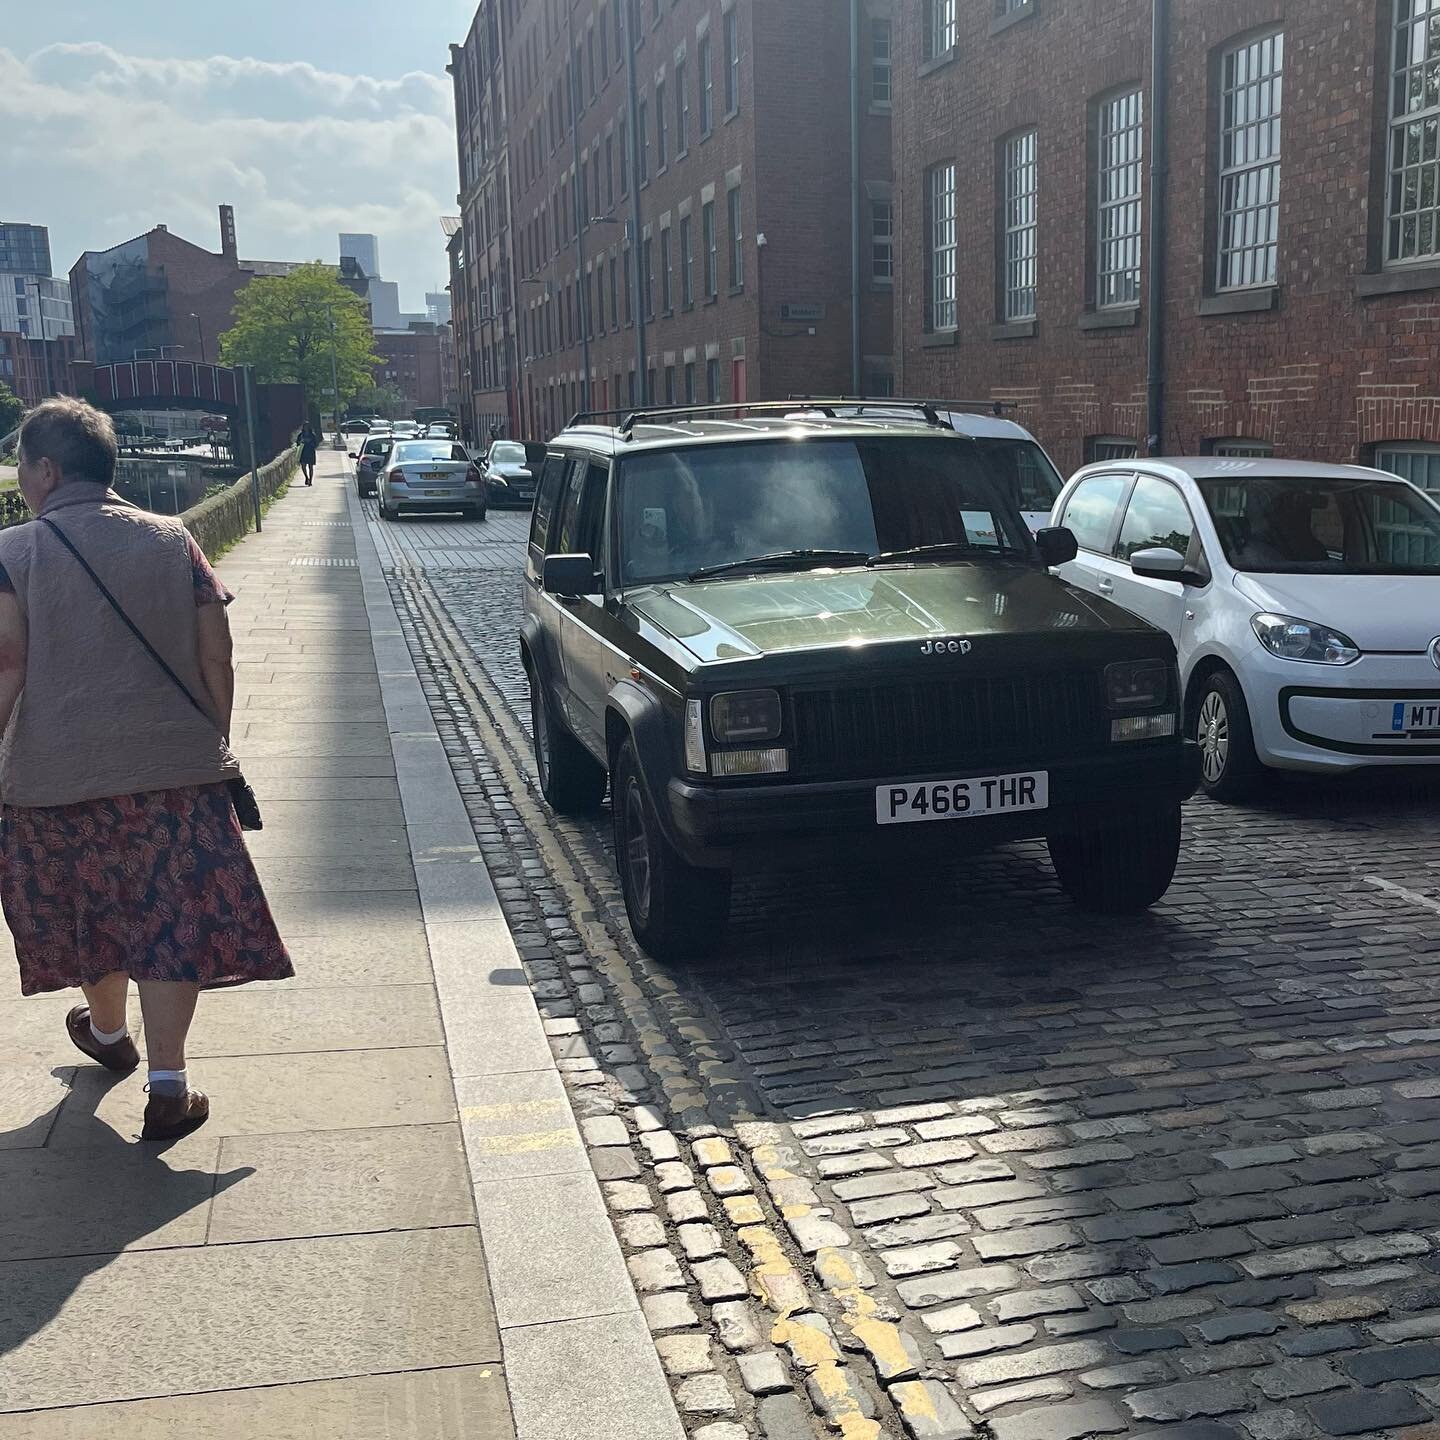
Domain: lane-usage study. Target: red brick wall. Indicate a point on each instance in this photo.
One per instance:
(1324, 374)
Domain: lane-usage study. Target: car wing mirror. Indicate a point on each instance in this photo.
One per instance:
(1160, 562)
(568, 577)
(353, 455)
(1057, 545)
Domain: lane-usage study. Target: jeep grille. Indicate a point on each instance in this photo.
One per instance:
(943, 725)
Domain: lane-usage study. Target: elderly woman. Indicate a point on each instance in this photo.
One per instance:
(121, 856)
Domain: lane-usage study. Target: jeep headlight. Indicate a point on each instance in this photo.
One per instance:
(1137, 684)
(743, 717)
(1293, 639)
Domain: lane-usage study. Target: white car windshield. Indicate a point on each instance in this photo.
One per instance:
(1302, 526)
(708, 507)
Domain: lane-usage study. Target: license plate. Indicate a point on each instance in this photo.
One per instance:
(962, 799)
(434, 475)
(1415, 717)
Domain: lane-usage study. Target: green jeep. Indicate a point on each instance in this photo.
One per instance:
(785, 632)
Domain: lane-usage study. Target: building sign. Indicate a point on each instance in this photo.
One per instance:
(802, 314)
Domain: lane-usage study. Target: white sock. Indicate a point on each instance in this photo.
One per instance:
(102, 1037)
(168, 1082)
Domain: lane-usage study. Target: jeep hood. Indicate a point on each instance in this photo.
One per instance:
(771, 614)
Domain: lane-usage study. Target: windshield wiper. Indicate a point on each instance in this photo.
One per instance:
(784, 560)
(945, 547)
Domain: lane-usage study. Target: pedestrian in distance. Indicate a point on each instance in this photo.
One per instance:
(308, 441)
(121, 853)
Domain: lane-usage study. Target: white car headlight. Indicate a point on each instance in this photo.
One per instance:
(1293, 639)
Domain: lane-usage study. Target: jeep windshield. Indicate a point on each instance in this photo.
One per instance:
(771, 505)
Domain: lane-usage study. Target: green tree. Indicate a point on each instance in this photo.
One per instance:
(383, 400)
(283, 327)
(12, 408)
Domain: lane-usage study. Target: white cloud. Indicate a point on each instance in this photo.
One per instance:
(103, 145)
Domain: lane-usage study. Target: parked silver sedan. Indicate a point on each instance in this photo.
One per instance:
(435, 475)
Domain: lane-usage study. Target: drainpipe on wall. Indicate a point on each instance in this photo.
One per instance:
(637, 257)
(1159, 175)
(855, 378)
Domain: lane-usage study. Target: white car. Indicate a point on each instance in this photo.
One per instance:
(1303, 599)
(1012, 455)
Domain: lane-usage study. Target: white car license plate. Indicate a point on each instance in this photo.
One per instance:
(1415, 717)
(962, 799)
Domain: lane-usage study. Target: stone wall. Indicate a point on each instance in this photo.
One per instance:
(217, 523)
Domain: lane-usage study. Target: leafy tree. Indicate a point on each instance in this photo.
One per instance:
(383, 400)
(12, 409)
(283, 328)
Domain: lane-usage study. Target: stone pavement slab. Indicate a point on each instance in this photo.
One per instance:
(462, 1403)
(30, 1101)
(242, 1315)
(342, 1182)
(104, 1200)
(276, 1094)
(324, 960)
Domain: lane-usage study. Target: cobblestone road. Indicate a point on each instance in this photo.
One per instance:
(1021, 1170)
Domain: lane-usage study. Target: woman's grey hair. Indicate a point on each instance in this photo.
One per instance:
(79, 438)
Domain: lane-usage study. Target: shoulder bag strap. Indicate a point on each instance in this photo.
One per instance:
(130, 625)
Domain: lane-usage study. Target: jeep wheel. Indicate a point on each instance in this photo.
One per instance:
(570, 780)
(677, 911)
(1122, 868)
(1229, 768)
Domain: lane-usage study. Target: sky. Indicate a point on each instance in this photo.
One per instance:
(308, 116)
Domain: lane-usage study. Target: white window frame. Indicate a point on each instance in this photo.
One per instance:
(1021, 226)
(1417, 461)
(1412, 161)
(1251, 112)
(705, 73)
(682, 107)
(941, 28)
(1119, 172)
(687, 262)
(1106, 449)
(882, 63)
(1240, 447)
(943, 241)
(882, 242)
(735, 219)
(710, 243)
(730, 26)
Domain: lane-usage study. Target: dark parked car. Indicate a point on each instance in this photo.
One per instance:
(510, 470)
(811, 634)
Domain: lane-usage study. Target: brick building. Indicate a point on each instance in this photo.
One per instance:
(419, 362)
(735, 138)
(1301, 282)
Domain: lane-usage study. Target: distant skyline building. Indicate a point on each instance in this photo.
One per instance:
(437, 306)
(365, 249)
(24, 249)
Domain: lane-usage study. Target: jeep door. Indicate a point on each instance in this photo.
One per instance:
(548, 611)
(588, 659)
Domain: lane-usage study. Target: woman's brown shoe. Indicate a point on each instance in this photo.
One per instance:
(122, 1056)
(168, 1117)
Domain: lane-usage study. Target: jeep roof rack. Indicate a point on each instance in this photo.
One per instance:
(929, 408)
(629, 417)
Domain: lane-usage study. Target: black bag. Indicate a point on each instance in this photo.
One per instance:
(242, 797)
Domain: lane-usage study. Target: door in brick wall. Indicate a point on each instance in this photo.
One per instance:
(737, 381)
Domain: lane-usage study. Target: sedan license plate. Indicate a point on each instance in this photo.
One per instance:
(1415, 717)
(962, 799)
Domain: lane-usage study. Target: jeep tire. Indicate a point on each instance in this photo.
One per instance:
(1123, 867)
(571, 781)
(677, 910)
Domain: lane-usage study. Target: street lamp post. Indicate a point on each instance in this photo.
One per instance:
(580, 220)
(200, 336)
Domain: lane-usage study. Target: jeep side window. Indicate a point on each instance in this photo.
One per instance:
(563, 535)
(546, 495)
(590, 531)
(1090, 512)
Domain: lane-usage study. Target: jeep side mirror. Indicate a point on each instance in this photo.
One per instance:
(1057, 545)
(353, 455)
(570, 576)
(1159, 562)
